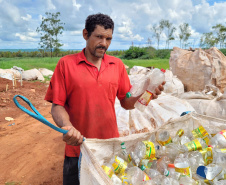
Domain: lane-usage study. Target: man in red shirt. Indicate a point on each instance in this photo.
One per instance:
(83, 91)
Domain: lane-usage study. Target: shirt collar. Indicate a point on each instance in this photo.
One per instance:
(82, 58)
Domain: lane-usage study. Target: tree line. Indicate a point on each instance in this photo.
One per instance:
(215, 38)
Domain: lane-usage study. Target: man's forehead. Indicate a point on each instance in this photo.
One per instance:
(101, 28)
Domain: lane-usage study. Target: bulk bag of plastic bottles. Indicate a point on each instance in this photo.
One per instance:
(95, 152)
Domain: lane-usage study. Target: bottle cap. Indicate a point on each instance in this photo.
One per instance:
(142, 167)
(128, 95)
(163, 70)
(166, 172)
(171, 166)
(122, 143)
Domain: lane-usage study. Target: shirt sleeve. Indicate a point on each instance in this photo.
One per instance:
(124, 84)
(56, 92)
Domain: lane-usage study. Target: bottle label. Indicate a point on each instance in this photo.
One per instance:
(146, 177)
(108, 171)
(223, 133)
(145, 98)
(119, 165)
(163, 143)
(180, 132)
(193, 145)
(183, 171)
(146, 162)
(201, 132)
(223, 151)
(150, 150)
(207, 155)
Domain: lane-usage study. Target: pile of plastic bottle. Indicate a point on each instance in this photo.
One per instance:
(188, 158)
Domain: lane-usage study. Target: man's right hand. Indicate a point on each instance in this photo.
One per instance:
(72, 137)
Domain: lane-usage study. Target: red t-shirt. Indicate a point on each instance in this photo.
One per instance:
(88, 95)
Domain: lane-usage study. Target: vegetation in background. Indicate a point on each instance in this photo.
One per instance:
(50, 28)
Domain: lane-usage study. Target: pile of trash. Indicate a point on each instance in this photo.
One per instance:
(196, 82)
(187, 150)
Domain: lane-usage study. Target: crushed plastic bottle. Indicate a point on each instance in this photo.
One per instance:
(162, 165)
(124, 154)
(134, 175)
(156, 77)
(177, 137)
(196, 144)
(150, 172)
(219, 140)
(143, 150)
(163, 137)
(195, 159)
(182, 166)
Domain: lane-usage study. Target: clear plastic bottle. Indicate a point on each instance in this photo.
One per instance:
(185, 180)
(177, 137)
(182, 166)
(134, 175)
(110, 173)
(195, 159)
(163, 137)
(143, 150)
(172, 173)
(219, 140)
(156, 77)
(196, 144)
(150, 172)
(124, 154)
(162, 165)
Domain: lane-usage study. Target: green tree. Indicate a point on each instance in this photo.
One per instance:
(50, 28)
(185, 33)
(169, 32)
(157, 31)
(209, 40)
(221, 34)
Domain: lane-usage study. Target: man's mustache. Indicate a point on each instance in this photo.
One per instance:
(101, 47)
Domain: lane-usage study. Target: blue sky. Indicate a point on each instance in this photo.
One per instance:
(133, 20)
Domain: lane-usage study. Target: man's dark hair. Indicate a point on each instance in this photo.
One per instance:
(98, 19)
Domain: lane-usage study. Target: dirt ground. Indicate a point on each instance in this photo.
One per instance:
(30, 152)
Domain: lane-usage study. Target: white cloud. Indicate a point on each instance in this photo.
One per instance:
(50, 5)
(78, 6)
(78, 32)
(27, 18)
(24, 37)
(126, 33)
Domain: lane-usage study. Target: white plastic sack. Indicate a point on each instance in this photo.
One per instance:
(32, 74)
(210, 102)
(138, 70)
(159, 111)
(173, 85)
(46, 72)
(97, 151)
(199, 68)
(10, 74)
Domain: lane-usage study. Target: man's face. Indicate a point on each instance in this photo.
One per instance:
(99, 41)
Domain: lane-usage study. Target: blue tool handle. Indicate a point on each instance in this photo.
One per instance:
(36, 114)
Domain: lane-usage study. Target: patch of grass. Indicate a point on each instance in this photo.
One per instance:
(157, 63)
(50, 63)
(29, 63)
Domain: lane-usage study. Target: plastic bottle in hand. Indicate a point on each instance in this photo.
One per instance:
(156, 77)
(219, 140)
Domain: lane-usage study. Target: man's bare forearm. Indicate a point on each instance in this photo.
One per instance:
(60, 116)
(128, 103)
